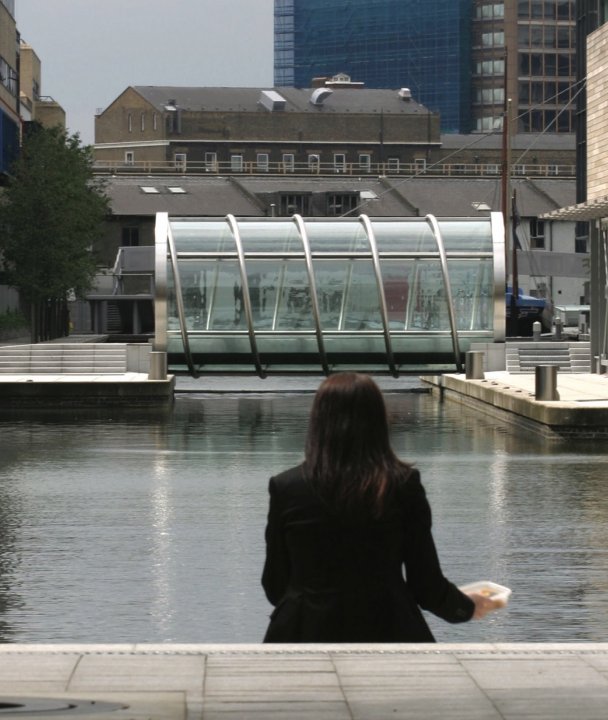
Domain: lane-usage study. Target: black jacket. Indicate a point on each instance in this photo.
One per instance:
(337, 581)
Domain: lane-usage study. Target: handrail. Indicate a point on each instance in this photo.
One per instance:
(299, 221)
(171, 168)
(234, 227)
(434, 225)
(179, 300)
(381, 296)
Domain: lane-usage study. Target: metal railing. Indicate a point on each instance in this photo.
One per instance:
(453, 169)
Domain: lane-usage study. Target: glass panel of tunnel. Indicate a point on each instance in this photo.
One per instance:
(399, 295)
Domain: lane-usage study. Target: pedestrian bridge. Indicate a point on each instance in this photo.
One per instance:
(278, 295)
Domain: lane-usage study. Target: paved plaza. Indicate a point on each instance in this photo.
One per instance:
(308, 682)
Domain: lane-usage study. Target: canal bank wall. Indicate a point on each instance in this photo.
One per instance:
(581, 410)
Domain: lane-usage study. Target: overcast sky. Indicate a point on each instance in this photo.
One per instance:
(91, 50)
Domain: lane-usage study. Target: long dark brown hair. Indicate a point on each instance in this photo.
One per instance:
(349, 459)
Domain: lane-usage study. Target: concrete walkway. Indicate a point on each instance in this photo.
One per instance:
(311, 682)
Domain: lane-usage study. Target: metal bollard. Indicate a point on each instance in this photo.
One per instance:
(158, 366)
(546, 383)
(559, 327)
(473, 365)
(536, 330)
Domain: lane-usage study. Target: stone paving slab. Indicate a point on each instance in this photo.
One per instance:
(325, 682)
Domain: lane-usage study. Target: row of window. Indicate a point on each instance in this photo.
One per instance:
(547, 64)
(493, 39)
(490, 96)
(547, 9)
(495, 10)
(545, 36)
(288, 162)
(490, 67)
(532, 120)
(549, 91)
(142, 121)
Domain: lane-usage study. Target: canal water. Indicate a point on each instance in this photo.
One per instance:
(130, 528)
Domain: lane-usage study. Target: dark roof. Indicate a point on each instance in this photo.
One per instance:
(519, 142)
(247, 99)
(248, 196)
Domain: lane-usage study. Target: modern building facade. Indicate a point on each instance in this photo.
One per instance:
(9, 86)
(425, 46)
(524, 52)
(461, 58)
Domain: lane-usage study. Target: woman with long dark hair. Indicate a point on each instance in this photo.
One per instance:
(344, 525)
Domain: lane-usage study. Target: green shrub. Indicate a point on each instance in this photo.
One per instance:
(12, 320)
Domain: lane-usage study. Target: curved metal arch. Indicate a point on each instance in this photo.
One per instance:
(434, 225)
(234, 228)
(161, 231)
(179, 300)
(299, 221)
(366, 222)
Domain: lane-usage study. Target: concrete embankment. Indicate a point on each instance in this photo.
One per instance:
(581, 410)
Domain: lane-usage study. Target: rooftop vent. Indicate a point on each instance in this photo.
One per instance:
(320, 95)
(272, 101)
(405, 94)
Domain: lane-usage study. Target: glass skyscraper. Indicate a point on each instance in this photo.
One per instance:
(424, 45)
(461, 58)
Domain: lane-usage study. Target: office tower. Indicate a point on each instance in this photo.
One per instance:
(424, 46)
(461, 58)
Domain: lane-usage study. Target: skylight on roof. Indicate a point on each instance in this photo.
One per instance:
(148, 189)
(175, 189)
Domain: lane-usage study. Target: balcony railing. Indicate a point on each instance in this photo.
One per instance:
(189, 167)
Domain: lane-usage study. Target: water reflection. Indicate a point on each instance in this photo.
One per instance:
(139, 528)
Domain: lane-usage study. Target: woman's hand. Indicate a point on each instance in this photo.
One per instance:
(484, 605)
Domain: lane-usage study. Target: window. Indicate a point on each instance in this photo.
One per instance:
(420, 165)
(365, 163)
(339, 204)
(129, 157)
(339, 162)
(143, 121)
(393, 165)
(155, 121)
(262, 162)
(180, 161)
(236, 163)
(314, 163)
(581, 239)
(289, 163)
(294, 204)
(537, 234)
(211, 162)
(492, 39)
(130, 122)
(130, 237)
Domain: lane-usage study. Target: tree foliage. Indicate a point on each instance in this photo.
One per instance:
(50, 217)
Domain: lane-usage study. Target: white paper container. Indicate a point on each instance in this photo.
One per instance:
(489, 589)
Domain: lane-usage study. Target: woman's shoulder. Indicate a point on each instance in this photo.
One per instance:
(410, 483)
(289, 477)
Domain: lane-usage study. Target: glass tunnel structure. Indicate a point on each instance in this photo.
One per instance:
(318, 295)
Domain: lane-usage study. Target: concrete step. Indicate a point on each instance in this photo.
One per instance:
(59, 358)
